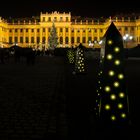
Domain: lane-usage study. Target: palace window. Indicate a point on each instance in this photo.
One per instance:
(67, 19)
(95, 38)
(61, 18)
(21, 30)
(16, 30)
(38, 30)
(43, 19)
(26, 30)
(84, 39)
(16, 39)
(61, 40)
(126, 28)
(10, 30)
(10, 39)
(132, 28)
(27, 40)
(67, 30)
(43, 29)
(43, 39)
(21, 39)
(72, 39)
(49, 29)
(32, 30)
(61, 30)
(55, 18)
(38, 39)
(66, 40)
(78, 39)
(89, 38)
(49, 18)
(101, 30)
(32, 39)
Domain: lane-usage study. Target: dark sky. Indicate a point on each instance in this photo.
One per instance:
(86, 8)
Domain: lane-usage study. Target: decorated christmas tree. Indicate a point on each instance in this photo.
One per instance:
(80, 60)
(71, 55)
(53, 38)
(112, 99)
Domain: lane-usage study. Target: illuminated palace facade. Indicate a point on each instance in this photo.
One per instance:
(71, 31)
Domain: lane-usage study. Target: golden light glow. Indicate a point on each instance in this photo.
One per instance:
(45, 21)
(113, 118)
(116, 84)
(120, 76)
(109, 56)
(123, 115)
(110, 42)
(120, 106)
(113, 96)
(111, 73)
(116, 49)
(107, 107)
(107, 89)
(117, 62)
(121, 95)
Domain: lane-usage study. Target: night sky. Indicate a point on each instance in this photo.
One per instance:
(88, 8)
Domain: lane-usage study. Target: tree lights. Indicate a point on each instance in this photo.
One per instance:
(53, 38)
(71, 55)
(80, 62)
(112, 104)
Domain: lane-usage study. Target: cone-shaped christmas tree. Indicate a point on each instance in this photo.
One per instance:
(112, 101)
(71, 55)
(53, 38)
(80, 62)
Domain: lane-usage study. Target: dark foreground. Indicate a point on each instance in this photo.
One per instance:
(46, 101)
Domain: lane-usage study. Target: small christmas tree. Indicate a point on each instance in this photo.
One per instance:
(71, 55)
(53, 38)
(79, 61)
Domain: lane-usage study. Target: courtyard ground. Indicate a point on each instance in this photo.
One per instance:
(46, 101)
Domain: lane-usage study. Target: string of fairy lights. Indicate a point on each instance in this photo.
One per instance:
(80, 61)
(71, 56)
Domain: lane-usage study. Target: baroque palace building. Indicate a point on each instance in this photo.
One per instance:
(34, 32)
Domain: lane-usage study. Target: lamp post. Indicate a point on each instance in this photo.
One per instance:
(126, 39)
